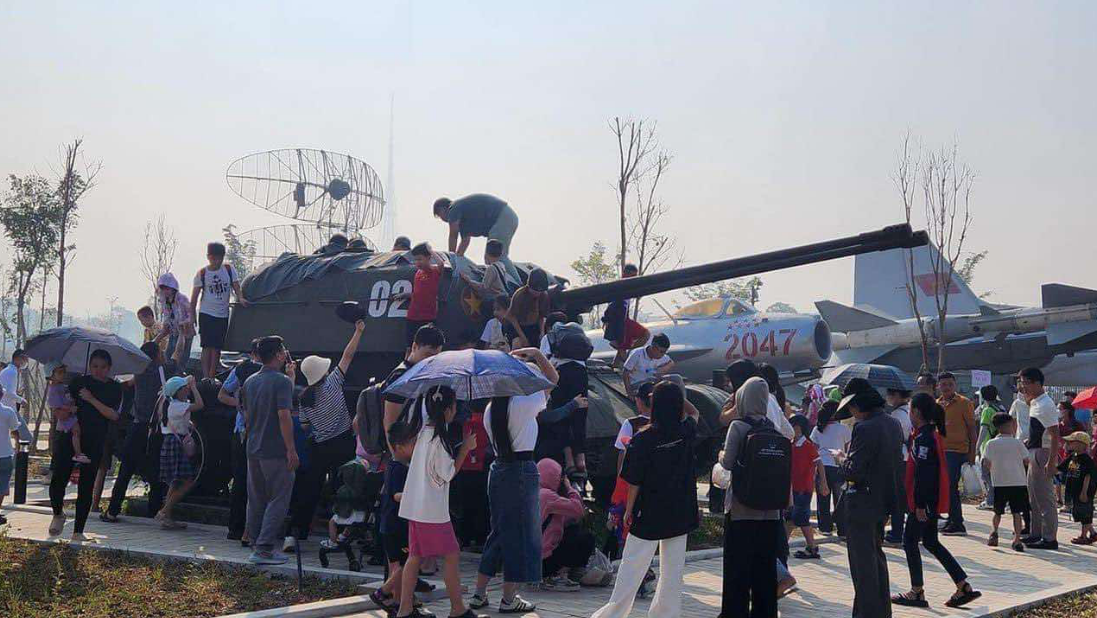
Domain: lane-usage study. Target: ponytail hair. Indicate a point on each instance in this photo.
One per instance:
(931, 411)
(435, 402)
(826, 414)
(500, 427)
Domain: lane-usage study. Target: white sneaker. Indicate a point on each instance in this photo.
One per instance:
(983, 506)
(289, 545)
(517, 605)
(81, 459)
(78, 537)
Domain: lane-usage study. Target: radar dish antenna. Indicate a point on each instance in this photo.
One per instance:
(329, 192)
(301, 238)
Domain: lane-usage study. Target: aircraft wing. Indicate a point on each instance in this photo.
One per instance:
(861, 355)
(843, 319)
(682, 353)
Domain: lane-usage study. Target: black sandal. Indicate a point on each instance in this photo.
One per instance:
(963, 597)
(910, 598)
(809, 553)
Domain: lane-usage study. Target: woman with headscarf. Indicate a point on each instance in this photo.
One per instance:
(750, 535)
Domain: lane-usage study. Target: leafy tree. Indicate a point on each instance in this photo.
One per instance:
(31, 218)
(966, 271)
(240, 254)
(593, 269)
(740, 289)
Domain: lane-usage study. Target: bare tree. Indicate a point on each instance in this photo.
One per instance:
(72, 186)
(635, 142)
(905, 178)
(157, 255)
(944, 185)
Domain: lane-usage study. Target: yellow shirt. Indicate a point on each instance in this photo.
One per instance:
(150, 334)
(959, 421)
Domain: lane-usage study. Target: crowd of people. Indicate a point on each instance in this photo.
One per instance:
(507, 475)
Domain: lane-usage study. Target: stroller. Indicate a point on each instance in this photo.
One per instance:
(355, 502)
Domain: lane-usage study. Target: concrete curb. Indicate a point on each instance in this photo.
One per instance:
(1033, 600)
(319, 609)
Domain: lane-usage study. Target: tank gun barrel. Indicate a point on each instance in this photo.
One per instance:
(581, 299)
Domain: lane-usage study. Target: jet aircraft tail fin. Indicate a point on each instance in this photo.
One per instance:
(1059, 295)
(881, 281)
(844, 319)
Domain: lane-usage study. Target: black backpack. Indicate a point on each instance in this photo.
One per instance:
(370, 414)
(569, 341)
(762, 478)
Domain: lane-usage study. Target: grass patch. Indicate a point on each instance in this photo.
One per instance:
(61, 581)
(1070, 606)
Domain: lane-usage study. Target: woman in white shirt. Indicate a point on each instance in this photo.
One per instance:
(176, 468)
(831, 436)
(513, 492)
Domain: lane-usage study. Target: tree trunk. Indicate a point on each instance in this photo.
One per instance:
(61, 276)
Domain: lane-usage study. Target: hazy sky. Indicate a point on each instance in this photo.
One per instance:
(783, 121)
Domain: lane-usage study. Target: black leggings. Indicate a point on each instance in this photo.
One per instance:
(926, 532)
(325, 458)
(62, 469)
(574, 551)
(829, 517)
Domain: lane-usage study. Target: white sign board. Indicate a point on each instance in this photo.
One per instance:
(979, 378)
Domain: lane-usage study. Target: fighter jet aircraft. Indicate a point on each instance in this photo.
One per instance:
(708, 335)
(881, 326)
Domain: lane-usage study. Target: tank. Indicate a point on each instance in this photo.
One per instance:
(295, 296)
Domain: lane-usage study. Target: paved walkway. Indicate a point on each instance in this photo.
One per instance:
(1005, 577)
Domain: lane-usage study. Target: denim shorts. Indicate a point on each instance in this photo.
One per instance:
(800, 513)
(515, 539)
(6, 465)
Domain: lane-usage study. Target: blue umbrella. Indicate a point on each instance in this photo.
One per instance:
(879, 376)
(473, 374)
(73, 345)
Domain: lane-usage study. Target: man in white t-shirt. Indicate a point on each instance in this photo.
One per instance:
(647, 364)
(899, 402)
(9, 380)
(1043, 449)
(214, 284)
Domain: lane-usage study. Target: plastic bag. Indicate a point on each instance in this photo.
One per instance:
(720, 476)
(599, 571)
(971, 480)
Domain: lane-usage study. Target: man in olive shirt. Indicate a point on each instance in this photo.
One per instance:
(960, 446)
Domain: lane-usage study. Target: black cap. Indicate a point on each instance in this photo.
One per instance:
(350, 311)
(860, 393)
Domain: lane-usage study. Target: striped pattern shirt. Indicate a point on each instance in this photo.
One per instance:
(329, 417)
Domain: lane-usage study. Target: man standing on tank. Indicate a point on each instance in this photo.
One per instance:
(478, 214)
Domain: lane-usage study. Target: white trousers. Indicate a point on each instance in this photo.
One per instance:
(667, 602)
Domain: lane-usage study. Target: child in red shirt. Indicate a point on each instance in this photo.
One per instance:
(423, 308)
(806, 469)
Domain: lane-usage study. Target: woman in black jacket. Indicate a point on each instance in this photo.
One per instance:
(927, 498)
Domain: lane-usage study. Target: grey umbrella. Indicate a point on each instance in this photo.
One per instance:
(879, 376)
(73, 346)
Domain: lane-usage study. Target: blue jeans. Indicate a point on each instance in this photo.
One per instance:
(515, 538)
(955, 462)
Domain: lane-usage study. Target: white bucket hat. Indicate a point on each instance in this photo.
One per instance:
(315, 368)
